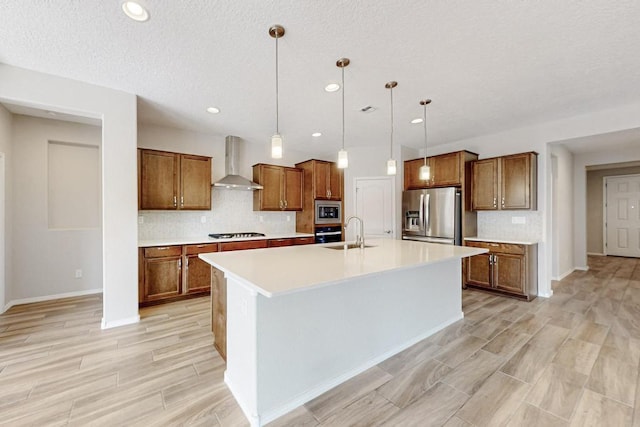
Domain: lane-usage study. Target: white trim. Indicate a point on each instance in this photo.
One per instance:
(546, 294)
(333, 382)
(596, 254)
(582, 268)
(52, 297)
(563, 275)
(120, 322)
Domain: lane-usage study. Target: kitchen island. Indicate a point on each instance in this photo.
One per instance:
(301, 320)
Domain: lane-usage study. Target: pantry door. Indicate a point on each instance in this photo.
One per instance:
(375, 204)
(622, 215)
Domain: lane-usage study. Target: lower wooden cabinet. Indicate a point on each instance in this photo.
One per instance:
(219, 311)
(509, 269)
(274, 243)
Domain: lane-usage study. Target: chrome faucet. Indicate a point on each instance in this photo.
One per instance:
(360, 237)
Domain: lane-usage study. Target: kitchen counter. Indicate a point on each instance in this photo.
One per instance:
(206, 239)
(302, 320)
(494, 240)
(295, 269)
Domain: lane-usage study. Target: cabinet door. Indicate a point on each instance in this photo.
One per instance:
(242, 245)
(195, 182)
(484, 184)
(479, 270)
(219, 311)
(197, 275)
(412, 179)
(158, 180)
(293, 189)
(304, 240)
(508, 273)
(321, 174)
(335, 182)
(162, 278)
(276, 243)
(445, 170)
(271, 195)
(516, 185)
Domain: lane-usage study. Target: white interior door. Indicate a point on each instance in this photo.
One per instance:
(622, 215)
(375, 204)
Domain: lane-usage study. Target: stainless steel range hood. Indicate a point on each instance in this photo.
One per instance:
(232, 180)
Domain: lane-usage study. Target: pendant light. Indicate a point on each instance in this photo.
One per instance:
(391, 163)
(276, 31)
(343, 160)
(425, 170)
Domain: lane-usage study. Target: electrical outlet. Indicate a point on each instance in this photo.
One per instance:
(518, 220)
(203, 219)
(140, 219)
(78, 274)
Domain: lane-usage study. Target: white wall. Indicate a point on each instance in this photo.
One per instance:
(119, 173)
(59, 252)
(6, 226)
(231, 210)
(563, 208)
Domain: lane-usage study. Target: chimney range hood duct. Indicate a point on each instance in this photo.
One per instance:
(232, 180)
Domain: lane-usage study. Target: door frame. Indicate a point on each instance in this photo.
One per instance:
(605, 236)
(3, 216)
(392, 182)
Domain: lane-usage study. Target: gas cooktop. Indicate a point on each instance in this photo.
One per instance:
(235, 235)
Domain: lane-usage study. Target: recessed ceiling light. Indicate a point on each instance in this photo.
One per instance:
(332, 87)
(213, 110)
(135, 11)
(415, 121)
(316, 134)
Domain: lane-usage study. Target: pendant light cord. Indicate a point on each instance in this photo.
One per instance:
(277, 91)
(391, 90)
(425, 134)
(343, 107)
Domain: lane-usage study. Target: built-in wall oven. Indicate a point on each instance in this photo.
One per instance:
(328, 212)
(328, 234)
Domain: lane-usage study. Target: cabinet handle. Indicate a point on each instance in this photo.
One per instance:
(329, 193)
(495, 202)
(503, 201)
(495, 260)
(181, 201)
(286, 204)
(200, 246)
(179, 264)
(163, 248)
(175, 201)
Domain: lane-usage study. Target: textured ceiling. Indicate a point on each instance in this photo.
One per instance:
(488, 65)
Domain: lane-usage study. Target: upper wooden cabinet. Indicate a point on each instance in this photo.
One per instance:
(325, 179)
(282, 188)
(447, 170)
(505, 183)
(173, 181)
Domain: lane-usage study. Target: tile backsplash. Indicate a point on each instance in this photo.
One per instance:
(231, 212)
(500, 225)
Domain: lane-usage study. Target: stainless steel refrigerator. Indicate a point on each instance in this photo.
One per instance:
(432, 215)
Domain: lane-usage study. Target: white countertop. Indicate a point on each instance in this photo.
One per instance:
(277, 271)
(492, 240)
(206, 239)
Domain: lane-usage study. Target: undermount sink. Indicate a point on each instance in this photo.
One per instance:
(348, 246)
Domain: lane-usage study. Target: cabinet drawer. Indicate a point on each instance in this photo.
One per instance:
(238, 246)
(506, 248)
(274, 243)
(162, 251)
(201, 248)
(304, 241)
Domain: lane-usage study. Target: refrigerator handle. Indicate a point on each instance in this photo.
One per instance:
(427, 207)
(421, 211)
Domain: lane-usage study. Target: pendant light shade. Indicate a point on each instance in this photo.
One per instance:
(276, 31)
(391, 163)
(425, 170)
(343, 159)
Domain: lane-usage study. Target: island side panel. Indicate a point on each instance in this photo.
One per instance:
(309, 342)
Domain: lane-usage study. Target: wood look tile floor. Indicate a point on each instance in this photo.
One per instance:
(570, 360)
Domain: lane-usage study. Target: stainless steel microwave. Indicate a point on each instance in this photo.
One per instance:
(328, 212)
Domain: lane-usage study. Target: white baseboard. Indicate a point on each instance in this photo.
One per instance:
(120, 322)
(582, 268)
(596, 254)
(51, 297)
(258, 420)
(563, 275)
(546, 294)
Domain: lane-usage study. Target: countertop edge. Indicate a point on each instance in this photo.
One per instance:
(495, 240)
(146, 243)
